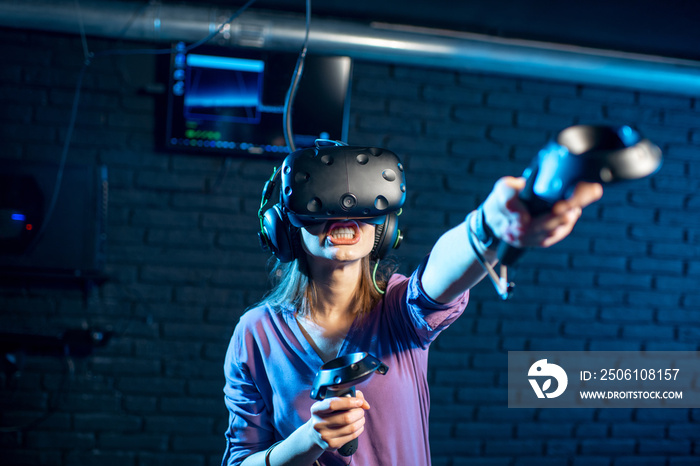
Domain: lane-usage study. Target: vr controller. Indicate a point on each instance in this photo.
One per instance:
(600, 154)
(338, 377)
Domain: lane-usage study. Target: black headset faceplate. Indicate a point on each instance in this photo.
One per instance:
(334, 182)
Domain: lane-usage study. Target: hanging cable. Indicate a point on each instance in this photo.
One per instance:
(82, 29)
(296, 78)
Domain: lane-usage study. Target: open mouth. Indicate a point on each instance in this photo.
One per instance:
(346, 232)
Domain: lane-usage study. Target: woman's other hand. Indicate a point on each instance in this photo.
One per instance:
(338, 420)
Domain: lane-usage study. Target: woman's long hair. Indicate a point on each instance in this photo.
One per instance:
(292, 286)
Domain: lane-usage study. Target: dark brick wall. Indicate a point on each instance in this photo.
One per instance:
(184, 262)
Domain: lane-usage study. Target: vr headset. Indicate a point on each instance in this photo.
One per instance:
(330, 183)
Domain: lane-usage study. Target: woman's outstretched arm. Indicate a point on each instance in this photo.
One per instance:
(453, 266)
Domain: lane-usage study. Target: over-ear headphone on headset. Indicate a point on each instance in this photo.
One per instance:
(333, 182)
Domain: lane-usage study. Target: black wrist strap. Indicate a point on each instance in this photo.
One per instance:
(483, 232)
(504, 288)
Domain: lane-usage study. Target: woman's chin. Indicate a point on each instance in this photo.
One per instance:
(345, 253)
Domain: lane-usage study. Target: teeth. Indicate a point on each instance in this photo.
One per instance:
(343, 233)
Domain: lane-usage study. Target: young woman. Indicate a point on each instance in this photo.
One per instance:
(326, 305)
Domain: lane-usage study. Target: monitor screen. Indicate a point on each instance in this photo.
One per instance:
(231, 101)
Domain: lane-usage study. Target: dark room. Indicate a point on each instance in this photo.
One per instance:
(369, 233)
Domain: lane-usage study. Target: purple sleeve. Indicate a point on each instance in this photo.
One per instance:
(250, 425)
(428, 317)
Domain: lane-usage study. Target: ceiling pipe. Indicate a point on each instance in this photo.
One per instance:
(379, 42)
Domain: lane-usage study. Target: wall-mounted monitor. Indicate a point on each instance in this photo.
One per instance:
(231, 101)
